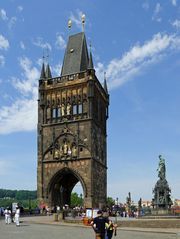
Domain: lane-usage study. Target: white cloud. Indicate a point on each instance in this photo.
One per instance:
(44, 45)
(56, 70)
(2, 60)
(31, 74)
(20, 8)
(21, 115)
(22, 45)
(176, 24)
(12, 22)
(133, 62)
(4, 43)
(174, 2)
(76, 18)
(157, 10)
(60, 42)
(3, 15)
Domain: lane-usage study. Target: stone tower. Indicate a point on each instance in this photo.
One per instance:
(72, 115)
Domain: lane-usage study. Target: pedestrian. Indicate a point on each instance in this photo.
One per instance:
(98, 224)
(110, 228)
(17, 215)
(7, 214)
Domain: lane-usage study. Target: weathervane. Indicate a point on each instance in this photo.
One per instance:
(43, 58)
(47, 55)
(83, 18)
(90, 46)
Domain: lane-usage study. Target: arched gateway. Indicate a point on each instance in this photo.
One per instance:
(72, 114)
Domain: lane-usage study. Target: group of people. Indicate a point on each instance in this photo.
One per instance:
(103, 227)
(9, 217)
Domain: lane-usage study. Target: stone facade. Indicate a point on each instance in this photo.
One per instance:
(72, 114)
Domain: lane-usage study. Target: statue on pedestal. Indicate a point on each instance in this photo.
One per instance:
(162, 191)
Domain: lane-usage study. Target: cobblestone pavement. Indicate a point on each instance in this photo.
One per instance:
(29, 230)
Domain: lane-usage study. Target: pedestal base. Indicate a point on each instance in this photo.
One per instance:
(159, 212)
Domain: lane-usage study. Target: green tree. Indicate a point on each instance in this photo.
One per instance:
(110, 202)
(76, 200)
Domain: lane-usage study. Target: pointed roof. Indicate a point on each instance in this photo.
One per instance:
(43, 76)
(90, 64)
(48, 72)
(76, 56)
(105, 84)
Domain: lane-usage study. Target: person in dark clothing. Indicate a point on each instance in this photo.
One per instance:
(99, 224)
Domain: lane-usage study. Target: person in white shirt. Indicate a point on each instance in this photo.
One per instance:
(7, 214)
(17, 215)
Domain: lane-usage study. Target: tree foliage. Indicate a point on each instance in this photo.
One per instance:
(18, 194)
(76, 200)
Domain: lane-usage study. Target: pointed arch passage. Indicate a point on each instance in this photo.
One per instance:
(61, 186)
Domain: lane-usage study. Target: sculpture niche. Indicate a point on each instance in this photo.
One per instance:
(162, 191)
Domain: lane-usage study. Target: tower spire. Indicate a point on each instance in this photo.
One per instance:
(43, 75)
(105, 83)
(90, 63)
(48, 72)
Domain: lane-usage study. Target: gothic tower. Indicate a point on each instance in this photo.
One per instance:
(72, 114)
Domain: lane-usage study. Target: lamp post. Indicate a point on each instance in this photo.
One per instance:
(61, 193)
(116, 210)
(81, 200)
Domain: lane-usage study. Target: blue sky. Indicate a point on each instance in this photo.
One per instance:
(137, 43)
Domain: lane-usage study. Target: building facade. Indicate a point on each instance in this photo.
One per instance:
(72, 134)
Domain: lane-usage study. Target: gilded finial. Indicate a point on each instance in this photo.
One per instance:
(69, 24)
(83, 18)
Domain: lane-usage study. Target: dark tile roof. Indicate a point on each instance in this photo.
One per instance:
(76, 57)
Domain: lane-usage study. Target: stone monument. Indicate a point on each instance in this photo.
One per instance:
(162, 193)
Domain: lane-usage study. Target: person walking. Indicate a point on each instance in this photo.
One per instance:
(98, 225)
(7, 214)
(110, 228)
(17, 215)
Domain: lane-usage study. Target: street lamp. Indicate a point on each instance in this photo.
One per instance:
(81, 199)
(116, 210)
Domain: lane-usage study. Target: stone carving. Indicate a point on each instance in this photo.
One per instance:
(65, 148)
(68, 109)
(62, 109)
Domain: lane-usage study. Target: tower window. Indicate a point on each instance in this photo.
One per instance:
(80, 109)
(74, 109)
(59, 112)
(54, 113)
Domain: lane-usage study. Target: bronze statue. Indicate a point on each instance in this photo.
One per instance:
(161, 168)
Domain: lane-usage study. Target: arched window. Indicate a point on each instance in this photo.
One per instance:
(54, 113)
(80, 108)
(74, 109)
(59, 112)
